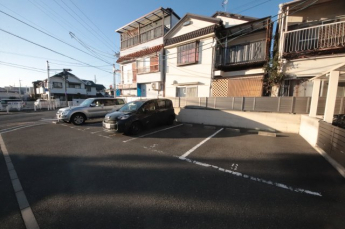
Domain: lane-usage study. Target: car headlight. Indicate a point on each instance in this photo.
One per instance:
(123, 117)
(64, 112)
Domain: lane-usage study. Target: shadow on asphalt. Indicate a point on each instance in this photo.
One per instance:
(158, 191)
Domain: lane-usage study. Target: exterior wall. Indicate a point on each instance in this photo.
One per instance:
(200, 72)
(149, 77)
(314, 66)
(249, 38)
(127, 78)
(196, 24)
(286, 123)
(93, 92)
(228, 22)
(82, 89)
(247, 72)
(174, 20)
(309, 129)
(328, 10)
(148, 92)
(142, 46)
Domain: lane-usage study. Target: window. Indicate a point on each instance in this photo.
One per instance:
(188, 54)
(161, 104)
(88, 88)
(119, 102)
(109, 102)
(186, 92)
(72, 85)
(149, 106)
(148, 64)
(57, 85)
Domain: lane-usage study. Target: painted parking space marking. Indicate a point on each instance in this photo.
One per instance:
(24, 206)
(18, 128)
(252, 178)
(201, 143)
(152, 133)
(97, 132)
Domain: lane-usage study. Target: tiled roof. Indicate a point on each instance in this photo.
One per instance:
(141, 53)
(191, 35)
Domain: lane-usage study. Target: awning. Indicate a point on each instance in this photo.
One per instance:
(147, 19)
(324, 75)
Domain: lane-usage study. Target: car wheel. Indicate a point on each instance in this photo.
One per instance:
(78, 119)
(135, 128)
(171, 120)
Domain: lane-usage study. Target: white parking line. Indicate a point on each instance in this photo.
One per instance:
(24, 206)
(238, 174)
(151, 133)
(96, 132)
(198, 145)
(18, 128)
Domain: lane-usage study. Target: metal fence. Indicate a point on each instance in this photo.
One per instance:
(298, 105)
(316, 37)
(339, 107)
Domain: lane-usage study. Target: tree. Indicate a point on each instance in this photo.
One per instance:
(274, 76)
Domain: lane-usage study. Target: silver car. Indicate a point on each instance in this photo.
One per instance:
(89, 109)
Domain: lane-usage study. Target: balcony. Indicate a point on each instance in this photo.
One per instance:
(148, 69)
(317, 38)
(242, 54)
(127, 86)
(143, 37)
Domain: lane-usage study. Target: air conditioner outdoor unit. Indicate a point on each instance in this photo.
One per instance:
(156, 86)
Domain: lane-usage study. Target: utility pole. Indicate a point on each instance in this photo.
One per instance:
(95, 79)
(48, 82)
(66, 77)
(114, 75)
(20, 93)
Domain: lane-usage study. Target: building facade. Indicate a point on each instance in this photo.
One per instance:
(141, 55)
(240, 57)
(311, 42)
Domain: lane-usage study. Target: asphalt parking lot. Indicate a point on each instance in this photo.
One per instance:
(178, 176)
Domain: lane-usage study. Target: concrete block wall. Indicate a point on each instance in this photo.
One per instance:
(309, 129)
(286, 123)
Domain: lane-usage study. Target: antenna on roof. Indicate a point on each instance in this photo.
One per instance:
(225, 4)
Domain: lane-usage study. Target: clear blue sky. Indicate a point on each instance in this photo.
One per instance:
(59, 17)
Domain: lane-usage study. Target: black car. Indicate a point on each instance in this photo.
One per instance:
(139, 114)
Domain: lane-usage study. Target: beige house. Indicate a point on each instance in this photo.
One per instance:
(189, 51)
(311, 43)
(141, 55)
(240, 56)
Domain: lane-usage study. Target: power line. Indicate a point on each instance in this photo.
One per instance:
(22, 67)
(75, 18)
(52, 36)
(105, 42)
(50, 49)
(92, 23)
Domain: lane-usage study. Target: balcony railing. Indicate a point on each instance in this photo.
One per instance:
(240, 54)
(148, 69)
(127, 86)
(314, 38)
(144, 37)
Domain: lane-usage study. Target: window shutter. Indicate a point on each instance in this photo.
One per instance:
(134, 69)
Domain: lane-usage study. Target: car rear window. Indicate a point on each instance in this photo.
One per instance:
(161, 104)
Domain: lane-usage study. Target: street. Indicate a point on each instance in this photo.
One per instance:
(179, 176)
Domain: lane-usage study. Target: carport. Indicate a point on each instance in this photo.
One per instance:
(317, 128)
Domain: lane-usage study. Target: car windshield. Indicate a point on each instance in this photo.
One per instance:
(131, 106)
(86, 102)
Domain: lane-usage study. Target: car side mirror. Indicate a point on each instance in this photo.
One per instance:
(92, 105)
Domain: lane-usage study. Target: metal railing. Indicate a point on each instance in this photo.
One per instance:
(298, 105)
(315, 38)
(243, 53)
(148, 69)
(144, 37)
